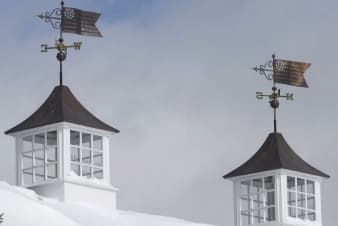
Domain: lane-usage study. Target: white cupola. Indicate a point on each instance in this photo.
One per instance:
(62, 151)
(277, 187)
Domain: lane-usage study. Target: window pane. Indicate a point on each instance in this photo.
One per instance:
(86, 156)
(27, 160)
(311, 216)
(257, 201)
(291, 183)
(28, 176)
(51, 154)
(98, 173)
(39, 141)
(75, 154)
(74, 138)
(300, 185)
(301, 200)
(39, 157)
(245, 203)
(245, 218)
(310, 187)
(257, 185)
(86, 140)
(97, 158)
(269, 183)
(97, 142)
(258, 216)
(311, 202)
(292, 198)
(75, 169)
(39, 174)
(292, 212)
(52, 171)
(270, 198)
(86, 171)
(245, 185)
(270, 214)
(301, 214)
(51, 138)
(27, 143)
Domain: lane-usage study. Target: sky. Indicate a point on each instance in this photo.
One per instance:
(175, 77)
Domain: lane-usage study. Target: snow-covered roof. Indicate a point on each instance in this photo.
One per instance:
(24, 207)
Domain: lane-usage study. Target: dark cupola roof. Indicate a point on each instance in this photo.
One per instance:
(61, 106)
(275, 153)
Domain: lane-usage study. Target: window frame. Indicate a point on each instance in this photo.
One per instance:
(262, 199)
(80, 164)
(45, 163)
(306, 195)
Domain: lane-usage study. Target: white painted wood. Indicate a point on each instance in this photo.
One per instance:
(65, 151)
(236, 204)
(18, 161)
(318, 201)
(106, 159)
(68, 187)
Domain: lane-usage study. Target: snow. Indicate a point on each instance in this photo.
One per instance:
(24, 207)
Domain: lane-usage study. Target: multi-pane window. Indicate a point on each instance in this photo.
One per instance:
(39, 158)
(86, 154)
(257, 200)
(301, 198)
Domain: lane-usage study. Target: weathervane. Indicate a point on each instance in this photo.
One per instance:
(284, 72)
(69, 20)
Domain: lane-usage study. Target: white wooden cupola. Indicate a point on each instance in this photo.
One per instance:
(277, 187)
(62, 151)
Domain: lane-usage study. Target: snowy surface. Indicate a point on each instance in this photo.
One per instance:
(24, 207)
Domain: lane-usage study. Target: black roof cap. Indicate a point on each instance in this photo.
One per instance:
(61, 106)
(275, 153)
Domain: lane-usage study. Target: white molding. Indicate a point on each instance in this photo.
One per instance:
(253, 175)
(62, 124)
(303, 175)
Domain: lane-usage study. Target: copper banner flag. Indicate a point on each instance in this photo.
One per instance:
(79, 22)
(290, 72)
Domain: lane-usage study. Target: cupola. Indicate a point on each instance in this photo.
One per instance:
(62, 151)
(277, 187)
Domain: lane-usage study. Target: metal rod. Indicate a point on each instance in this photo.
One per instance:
(274, 95)
(60, 73)
(62, 12)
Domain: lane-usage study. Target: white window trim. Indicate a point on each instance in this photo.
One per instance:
(251, 200)
(306, 194)
(45, 165)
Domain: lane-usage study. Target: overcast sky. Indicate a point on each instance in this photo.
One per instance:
(174, 76)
